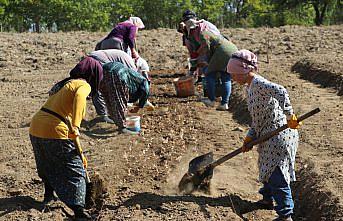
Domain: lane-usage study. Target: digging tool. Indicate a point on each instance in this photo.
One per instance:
(79, 150)
(95, 189)
(201, 168)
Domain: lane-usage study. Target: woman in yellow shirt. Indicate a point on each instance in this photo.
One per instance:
(58, 163)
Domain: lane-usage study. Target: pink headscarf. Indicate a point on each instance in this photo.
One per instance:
(242, 62)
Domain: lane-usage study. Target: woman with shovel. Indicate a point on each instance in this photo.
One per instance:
(59, 163)
(269, 106)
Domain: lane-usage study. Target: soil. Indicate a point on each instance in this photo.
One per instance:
(142, 172)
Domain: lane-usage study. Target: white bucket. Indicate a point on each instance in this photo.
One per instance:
(133, 123)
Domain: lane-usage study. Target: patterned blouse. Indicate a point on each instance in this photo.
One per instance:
(269, 104)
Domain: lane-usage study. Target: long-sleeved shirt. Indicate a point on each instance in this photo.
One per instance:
(69, 101)
(269, 104)
(125, 31)
(113, 55)
(193, 42)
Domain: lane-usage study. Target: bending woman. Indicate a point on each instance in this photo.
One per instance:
(122, 85)
(213, 52)
(123, 36)
(58, 163)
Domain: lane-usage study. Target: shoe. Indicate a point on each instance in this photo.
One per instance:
(49, 198)
(106, 119)
(49, 195)
(81, 214)
(149, 106)
(265, 204)
(127, 131)
(283, 218)
(223, 107)
(208, 102)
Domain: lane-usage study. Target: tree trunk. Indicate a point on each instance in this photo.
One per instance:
(37, 24)
(320, 14)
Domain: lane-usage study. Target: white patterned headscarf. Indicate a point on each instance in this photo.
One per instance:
(137, 22)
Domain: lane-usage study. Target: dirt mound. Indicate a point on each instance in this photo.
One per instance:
(325, 73)
(312, 202)
(142, 172)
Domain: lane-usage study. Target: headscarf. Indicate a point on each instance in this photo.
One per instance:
(242, 62)
(137, 22)
(90, 70)
(191, 24)
(143, 67)
(188, 14)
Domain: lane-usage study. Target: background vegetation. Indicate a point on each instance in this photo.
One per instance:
(96, 15)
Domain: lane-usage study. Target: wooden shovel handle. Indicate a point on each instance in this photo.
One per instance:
(78, 147)
(261, 139)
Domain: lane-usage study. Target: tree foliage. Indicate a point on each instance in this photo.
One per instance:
(320, 7)
(94, 15)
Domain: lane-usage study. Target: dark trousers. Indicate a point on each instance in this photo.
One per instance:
(60, 167)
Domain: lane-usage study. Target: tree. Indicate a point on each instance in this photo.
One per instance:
(320, 7)
(3, 4)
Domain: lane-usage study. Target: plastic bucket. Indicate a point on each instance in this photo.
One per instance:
(133, 123)
(184, 86)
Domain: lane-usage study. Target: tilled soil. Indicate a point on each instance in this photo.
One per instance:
(142, 171)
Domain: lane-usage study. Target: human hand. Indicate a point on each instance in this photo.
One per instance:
(74, 133)
(84, 161)
(134, 55)
(134, 110)
(292, 122)
(247, 140)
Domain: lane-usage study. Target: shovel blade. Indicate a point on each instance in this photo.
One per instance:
(200, 162)
(96, 192)
(199, 174)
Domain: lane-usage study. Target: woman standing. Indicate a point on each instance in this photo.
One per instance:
(123, 36)
(269, 106)
(212, 52)
(58, 162)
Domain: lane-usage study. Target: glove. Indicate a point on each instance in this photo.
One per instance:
(292, 122)
(74, 133)
(247, 139)
(84, 161)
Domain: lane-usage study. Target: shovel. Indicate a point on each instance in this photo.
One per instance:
(95, 189)
(201, 168)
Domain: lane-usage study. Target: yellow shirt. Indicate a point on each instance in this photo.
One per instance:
(69, 101)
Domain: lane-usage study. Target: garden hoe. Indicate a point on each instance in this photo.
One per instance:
(200, 169)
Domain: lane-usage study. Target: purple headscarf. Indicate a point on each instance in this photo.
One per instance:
(242, 62)
(90, 70)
